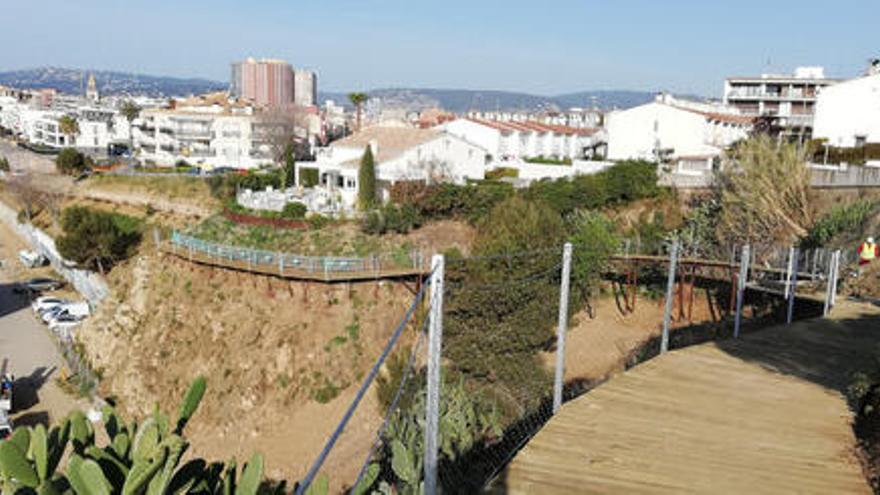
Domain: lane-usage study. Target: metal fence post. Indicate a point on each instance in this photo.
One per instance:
(741, 287)
(831, 282)
(562, 328)
(793, 278)
(435, 345)
(835, 275)
(791, 254)
(670, 287)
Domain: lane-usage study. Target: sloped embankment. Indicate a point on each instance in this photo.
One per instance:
(282, 358)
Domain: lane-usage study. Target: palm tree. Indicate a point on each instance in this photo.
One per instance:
(68, 126)
(130, 111)
(358, 100)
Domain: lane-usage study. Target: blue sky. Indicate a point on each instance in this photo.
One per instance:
(545, 47)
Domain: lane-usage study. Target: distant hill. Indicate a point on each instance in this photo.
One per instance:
(109, 82)
(456, 100)
(462, 100)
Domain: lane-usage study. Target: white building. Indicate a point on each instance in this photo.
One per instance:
(515, 141)
(206, 137)
(401, 154)
(688, 133)
(848, 114)
(305, 88)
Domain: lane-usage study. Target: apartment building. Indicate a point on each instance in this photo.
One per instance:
(517, 140)
(208, 131)
(786, 103)
(270, 83)
(265, 83)
(305, 88)
(580, 118)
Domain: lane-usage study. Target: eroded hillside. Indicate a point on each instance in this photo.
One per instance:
(282, 358)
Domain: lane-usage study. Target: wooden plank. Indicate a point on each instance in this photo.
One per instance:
(762, 414)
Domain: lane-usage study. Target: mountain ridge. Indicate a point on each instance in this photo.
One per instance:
(72, 81)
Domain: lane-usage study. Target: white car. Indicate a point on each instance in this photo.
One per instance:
(77, 309)
(62, 328)
(47, 302)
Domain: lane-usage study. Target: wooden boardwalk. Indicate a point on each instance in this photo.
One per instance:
(763, 414)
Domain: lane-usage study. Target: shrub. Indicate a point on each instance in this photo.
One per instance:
(317, 222)
(549, 160)
(308, 177)
(391, 218)
(4, 164)
(71, 162)
(841, 219)
(501, 173)
(294, 210)
(97, 239)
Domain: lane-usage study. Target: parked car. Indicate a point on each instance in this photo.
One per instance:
(63, 328)
(39, 284)
(64, 320)
(75, 309)
(46, 302)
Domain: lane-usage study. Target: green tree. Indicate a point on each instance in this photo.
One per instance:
(367, 181)
(594, 239)
(71, 162)
(358, 100)
(130, 110)
(288, 172)
(69, 126)
(97, 239)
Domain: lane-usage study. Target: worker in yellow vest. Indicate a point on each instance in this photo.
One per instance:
(867, 252)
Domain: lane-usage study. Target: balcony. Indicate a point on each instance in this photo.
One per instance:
(195, 134)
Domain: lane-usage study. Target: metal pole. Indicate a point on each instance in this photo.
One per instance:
(561, 328)
(670, 287)
(831, 283)
(435, 345)
(793, 274)
(836, 275)
(791, 254)
(741, 287)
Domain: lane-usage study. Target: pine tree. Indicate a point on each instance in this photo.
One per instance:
(367, 181)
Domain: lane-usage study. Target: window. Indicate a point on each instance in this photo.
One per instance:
(349, 183)
(861, 141)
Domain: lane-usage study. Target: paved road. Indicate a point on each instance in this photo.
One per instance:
(21, 159)
(762, 414)
(26, 349)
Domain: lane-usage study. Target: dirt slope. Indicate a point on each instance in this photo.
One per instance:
(282, 359)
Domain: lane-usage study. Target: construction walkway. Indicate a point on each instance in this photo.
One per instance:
(762, 414)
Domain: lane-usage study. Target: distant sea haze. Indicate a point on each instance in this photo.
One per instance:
(455, 100)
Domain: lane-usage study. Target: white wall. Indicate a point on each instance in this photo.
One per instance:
(637, 132)
(847, 110)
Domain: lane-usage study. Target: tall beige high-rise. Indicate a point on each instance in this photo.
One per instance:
(266, 82)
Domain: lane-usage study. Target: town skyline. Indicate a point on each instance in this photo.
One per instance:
(681, 48)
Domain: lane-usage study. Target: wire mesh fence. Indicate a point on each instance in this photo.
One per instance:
(280, 263)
